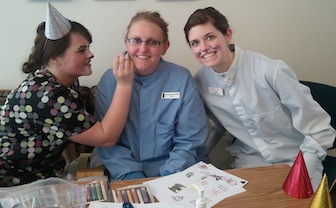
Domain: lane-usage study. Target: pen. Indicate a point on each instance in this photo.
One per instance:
(125, 54)
(135, 196)
(145, 195)
(140, 196)
(129, 196)
(120, 198)
(99, 191)
(124, 196)
(93, 192)
(115, 198)
(89, 194)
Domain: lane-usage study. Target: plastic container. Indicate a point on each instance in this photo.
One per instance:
(51, 192)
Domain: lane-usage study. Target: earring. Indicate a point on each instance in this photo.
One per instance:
(231, 46)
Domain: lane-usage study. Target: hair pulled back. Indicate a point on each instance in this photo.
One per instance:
(153, 17)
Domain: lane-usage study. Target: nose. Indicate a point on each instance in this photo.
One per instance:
(143, 46)
(204, 47)
(90, 55)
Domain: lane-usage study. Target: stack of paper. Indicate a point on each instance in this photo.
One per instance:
(178, 189)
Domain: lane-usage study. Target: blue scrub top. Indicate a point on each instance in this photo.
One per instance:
(166, 126)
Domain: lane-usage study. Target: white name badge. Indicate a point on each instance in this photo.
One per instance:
(216, 91)
(170, 95)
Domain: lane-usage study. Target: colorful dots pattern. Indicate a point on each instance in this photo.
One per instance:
(35, 121)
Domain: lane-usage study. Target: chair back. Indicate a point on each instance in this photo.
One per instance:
(325, 95)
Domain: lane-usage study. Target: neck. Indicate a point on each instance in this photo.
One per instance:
(225, 65)
(62, 78)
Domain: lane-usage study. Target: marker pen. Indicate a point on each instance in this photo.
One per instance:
(114, 195)
(145, 195)
(140, 196)
(129, 195)
(135, 196)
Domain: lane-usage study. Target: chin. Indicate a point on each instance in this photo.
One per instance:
(209, 63)
(87, 73)
(143, 72)
(203, 62)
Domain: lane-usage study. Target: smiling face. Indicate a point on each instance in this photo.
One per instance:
(74, 62)
(76, 59)
(145, 55)
(210, 46)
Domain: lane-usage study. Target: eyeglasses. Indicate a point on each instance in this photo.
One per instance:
(138, 42)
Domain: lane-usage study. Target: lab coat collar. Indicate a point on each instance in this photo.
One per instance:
(232, 71)
(146, 80)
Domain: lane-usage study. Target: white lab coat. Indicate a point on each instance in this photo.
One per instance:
(272, 116)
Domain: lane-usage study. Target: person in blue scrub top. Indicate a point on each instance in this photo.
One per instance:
(256, 99)
(166, 126)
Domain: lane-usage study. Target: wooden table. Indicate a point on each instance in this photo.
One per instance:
(264, 188)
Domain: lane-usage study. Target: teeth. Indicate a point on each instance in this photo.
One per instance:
(143, 57)
(208, 55)
(203, 53)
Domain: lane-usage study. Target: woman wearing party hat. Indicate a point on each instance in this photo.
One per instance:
(45, 113)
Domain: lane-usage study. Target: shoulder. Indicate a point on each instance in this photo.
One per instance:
(174, 69)
(253, 58)
(204, 72)
(108, 74)
(264, 69)
(107, 77)
(41, 83)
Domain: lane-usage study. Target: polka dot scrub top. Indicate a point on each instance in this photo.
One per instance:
(35, 122)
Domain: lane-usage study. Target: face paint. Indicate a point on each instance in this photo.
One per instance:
(209, 50)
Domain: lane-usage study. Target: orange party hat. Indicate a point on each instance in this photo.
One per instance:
(322, 198)
(297, 183)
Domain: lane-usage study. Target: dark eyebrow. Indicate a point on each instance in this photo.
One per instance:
(82, 47)
(210, 33)
(206, 35)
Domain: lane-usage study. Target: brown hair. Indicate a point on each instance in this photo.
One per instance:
(45, 49)
(153, 17)
(203, 16)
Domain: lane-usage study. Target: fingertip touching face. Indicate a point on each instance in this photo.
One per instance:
(145, 45)
(210, 46)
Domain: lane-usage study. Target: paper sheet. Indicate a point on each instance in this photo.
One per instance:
(178, 189)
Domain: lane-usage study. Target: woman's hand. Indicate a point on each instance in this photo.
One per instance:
(123, 70)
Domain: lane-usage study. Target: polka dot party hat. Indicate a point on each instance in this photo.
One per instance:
(56, 26)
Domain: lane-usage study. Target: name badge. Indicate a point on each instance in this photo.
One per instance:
(170, 95)
(216, 91)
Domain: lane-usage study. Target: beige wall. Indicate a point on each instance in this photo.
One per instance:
(300, 32)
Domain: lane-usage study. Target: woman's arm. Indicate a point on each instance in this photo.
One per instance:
(107, 131)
